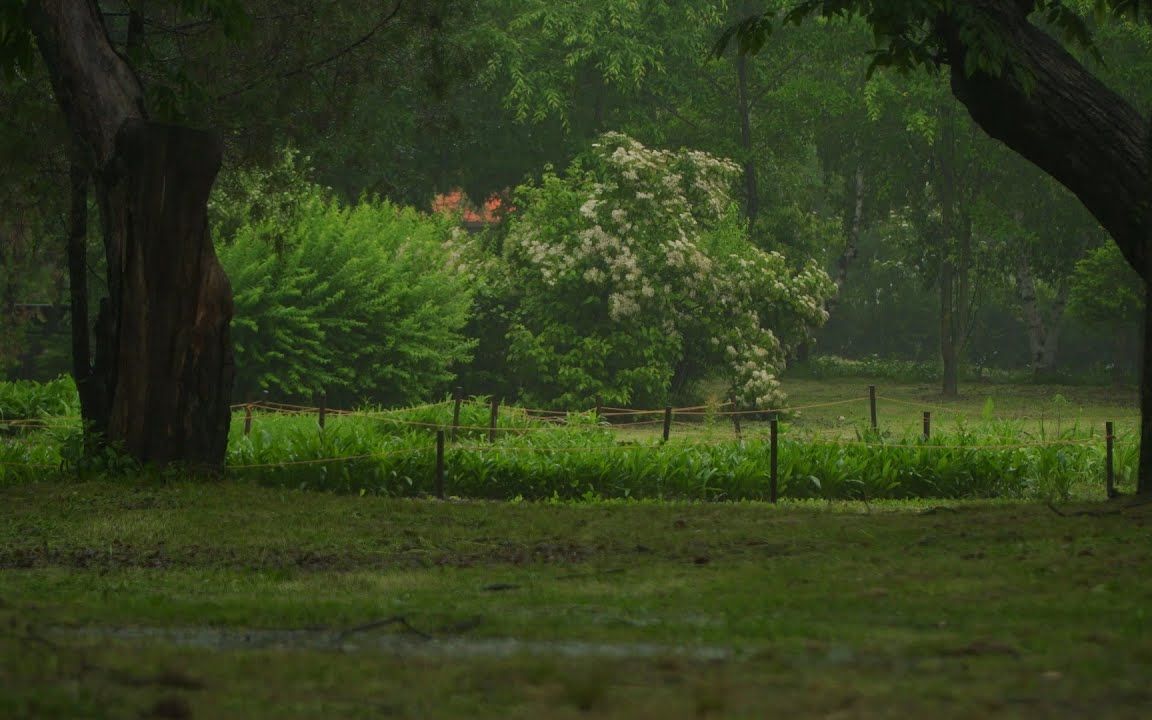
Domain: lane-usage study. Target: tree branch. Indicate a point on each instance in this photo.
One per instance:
(1052, 111)
(309, 66)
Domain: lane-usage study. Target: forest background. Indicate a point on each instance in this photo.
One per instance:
(389, 169)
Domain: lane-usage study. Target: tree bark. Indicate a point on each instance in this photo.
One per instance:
(93, 409)
(751, 182)
(955, 254)
(163, 359)
(949, 345)
(855, 223)
(1043, 332)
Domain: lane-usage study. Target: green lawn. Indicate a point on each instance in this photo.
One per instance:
(149, 600)
(838, 409)
(900, 406)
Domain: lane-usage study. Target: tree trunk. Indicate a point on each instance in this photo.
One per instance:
(1052, 111)
(852, 240)
(751, 182)
(955, 255)
(163, 359)
(1043, 332)
(949, 345)
(93, 408)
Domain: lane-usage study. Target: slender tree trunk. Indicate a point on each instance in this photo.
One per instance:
(163, 359)
(751, 181)
(1043, 332)
(852, 239)
(949, 350)
(93, 405)
(954, 256)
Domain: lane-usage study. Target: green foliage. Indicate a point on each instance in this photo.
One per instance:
(1105, 289)
(907, 32)
(573, 456)
(17, 48)
(25, 400)
(546, 49)
(634, 271)
(361, 301)
(390, 455)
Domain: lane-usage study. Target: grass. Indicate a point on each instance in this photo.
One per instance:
(973, 609)
(1036, 408)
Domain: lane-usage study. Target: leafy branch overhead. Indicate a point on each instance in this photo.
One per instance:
(907, 33)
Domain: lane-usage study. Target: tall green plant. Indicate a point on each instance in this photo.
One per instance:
(361, 301)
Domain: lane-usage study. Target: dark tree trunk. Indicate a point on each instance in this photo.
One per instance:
(162, 366)
(955, 255)
(949, 345)
(172, 375)
(855, 223)
(92, 393)
(751, 182)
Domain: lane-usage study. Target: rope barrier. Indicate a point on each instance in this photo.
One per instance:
(690, 433)
(933, 446)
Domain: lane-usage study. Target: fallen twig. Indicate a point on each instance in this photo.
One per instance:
(395, 620)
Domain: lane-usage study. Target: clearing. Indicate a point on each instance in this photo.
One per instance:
(229, 600)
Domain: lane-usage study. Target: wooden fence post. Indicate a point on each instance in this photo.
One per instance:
(495, 414)
(773, 459)
(927, 425)
(872, 404)
(736, 418)
(667, 421)
(599, 408)
(323, 403)
(457, 398)
(1109, 469)
(247, 420)
(440, 464)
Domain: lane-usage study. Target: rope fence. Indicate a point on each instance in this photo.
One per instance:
(697, 425)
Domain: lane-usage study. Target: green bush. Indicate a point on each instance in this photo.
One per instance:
(633, 274)
(361, 301)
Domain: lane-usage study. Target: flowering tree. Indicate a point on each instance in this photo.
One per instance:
(635, 274)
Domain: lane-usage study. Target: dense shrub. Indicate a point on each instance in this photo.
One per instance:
(360, 301)
(633, 273)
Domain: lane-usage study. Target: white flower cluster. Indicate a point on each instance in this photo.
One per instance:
(643, 248)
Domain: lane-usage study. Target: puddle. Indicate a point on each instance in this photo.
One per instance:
(389, 643)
